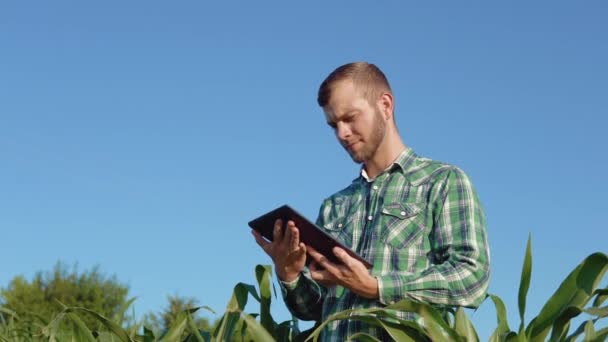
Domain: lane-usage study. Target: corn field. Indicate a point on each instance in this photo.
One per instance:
(577, 295)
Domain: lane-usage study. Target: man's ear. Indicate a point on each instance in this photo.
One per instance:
(386, 106)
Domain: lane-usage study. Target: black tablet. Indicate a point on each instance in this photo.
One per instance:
(310, 233)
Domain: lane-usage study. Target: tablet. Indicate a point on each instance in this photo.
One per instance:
(310, 233)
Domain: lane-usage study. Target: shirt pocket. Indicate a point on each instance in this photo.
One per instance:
(403, 224)
(341, 228)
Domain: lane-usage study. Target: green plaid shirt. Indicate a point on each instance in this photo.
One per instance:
(422, 227)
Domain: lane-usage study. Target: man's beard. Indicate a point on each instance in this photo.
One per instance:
(370, 147)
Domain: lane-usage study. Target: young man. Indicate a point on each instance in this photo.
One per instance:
(418, 221)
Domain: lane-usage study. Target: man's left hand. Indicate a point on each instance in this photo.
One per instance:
(351, 273)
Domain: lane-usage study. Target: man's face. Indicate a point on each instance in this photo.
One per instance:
(358, 125)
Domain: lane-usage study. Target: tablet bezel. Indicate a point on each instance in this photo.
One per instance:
(310, 233)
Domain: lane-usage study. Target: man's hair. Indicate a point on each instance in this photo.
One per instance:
(368, 77)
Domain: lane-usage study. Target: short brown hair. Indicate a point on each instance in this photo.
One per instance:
(366, 75)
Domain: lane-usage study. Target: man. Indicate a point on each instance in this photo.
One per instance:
(418, 221)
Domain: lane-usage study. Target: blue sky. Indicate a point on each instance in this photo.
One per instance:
(143, 136)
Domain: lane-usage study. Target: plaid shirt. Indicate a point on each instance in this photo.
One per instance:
(422, 227)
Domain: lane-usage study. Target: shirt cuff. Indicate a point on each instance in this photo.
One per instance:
(391, 288)
(290, 285)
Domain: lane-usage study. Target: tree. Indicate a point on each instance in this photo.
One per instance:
(41, 299)
(162, 321)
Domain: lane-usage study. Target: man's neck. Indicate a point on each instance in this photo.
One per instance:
(383, 158)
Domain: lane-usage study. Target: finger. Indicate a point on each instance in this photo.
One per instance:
(261, 241)
(295, 237)
(323, 277)
(287, 235)
(324, 262)
(312, 267)
(346, 259)
(277, 234)
(303, 248)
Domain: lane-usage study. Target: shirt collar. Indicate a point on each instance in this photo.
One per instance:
(403, 162)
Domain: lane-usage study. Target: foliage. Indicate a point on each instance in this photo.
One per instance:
(578, 294)
(43, 298)
(568, 302)
(162, 321)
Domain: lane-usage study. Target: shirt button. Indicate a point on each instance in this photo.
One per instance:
(339, 225)
(403, 213)
(375, 187)
(370, 217)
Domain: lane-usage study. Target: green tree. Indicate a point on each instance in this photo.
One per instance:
(165, 319)
(41, 299)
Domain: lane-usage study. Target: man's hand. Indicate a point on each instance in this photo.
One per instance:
(351, 274)
(286, 250)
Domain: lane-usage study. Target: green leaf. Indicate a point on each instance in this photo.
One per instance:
(362, 337)
(178, 328)
(601, 296)
(600, 312)
(501, 317)
(264, 278)
(579, 331)
(434, 324)
(464, 327)
(562, 323)
(193, 310)
(589, 331)
(601, 334)
(240, 295)
(194, 329)
(576, 290)
(397, 332)
(8, 312)
(113, 327)
(228, 326)
(50, 330)
(256, 330)
(148, 335)
(120, 315)
(524, 283)
(82, 330)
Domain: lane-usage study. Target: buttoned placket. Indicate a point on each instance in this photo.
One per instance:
(372, 194)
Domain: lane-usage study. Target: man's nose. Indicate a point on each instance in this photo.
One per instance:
(343, 131)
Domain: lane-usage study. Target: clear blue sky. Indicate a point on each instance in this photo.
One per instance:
(142, 136)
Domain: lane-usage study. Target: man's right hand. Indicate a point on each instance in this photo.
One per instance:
(286, 250)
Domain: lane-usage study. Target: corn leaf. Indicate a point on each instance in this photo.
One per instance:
(524, 283)
(362, 337)
(502, 330)
(562, 323)
(434, 324)
(240, 295)
(229, 325)
(178, 328)
(589, 331)
(601, 334)
(599, 312)
(396, 331)
(601, 296)
(256, 330)
(263, 275)
(82, 331)
(576, 290)
(195, 334)
(464, 327)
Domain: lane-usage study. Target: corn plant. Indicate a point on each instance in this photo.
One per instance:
(555, 317)
(578, 294)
